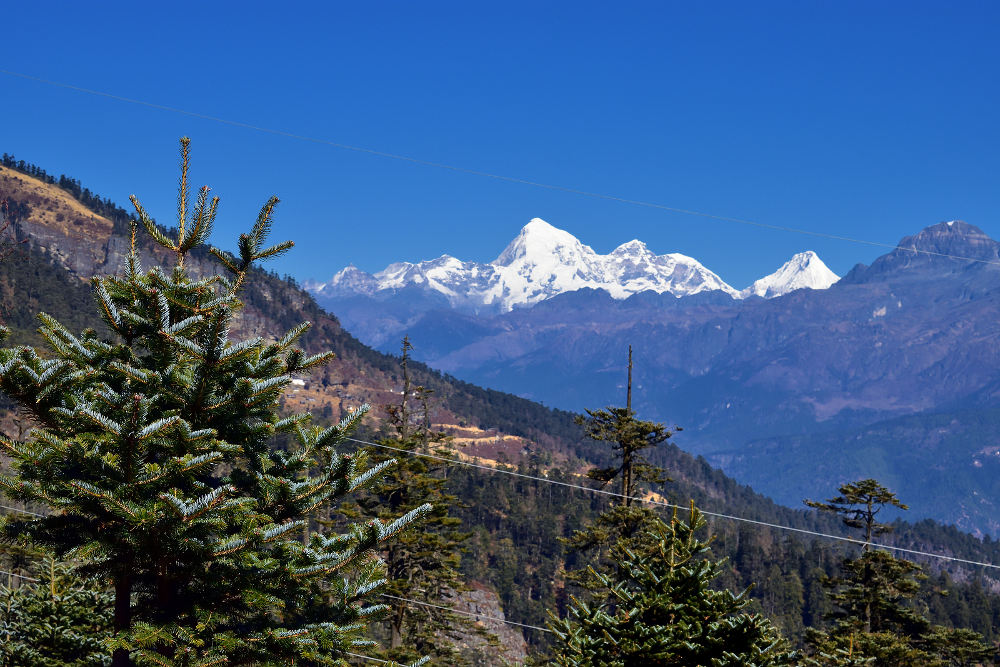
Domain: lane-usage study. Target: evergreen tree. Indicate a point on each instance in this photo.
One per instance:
(628, 438)
(875, 619)
(663, 611)
(9, 217)
(858, 505)
(421, 565)
(624, 524)
(57, 621)
(154, 451)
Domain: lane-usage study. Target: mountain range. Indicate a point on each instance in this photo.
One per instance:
(892, 372)
(543, 262)
(71, 234)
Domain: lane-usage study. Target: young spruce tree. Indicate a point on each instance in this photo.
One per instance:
(153, 450)
(57, 621)
(659, 609)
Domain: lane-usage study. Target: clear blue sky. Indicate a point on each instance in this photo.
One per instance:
(865, 119)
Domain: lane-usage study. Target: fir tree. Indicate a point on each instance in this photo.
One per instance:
(57, 621)
(663, 611)
(858, 505)
(422, 565)
(154, 451)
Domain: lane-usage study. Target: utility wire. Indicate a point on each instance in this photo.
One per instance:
(15, 509)
(466, 613)
(366, 657)
(20, 576)
(485, 174)
(661, 503)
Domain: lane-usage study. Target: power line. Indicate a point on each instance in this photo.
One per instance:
(485, 174)
(661, 503)
(366, 657)
(652, 501)
(15, 509)
(466, 613)
(20, 576)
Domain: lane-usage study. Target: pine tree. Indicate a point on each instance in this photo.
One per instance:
(58, 621)
(422, 565)
(154, 451)
(662, 610)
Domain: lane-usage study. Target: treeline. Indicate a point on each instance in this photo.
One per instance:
(99, 205)
(518, 523)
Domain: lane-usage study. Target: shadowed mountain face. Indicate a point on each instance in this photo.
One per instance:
(815, 379)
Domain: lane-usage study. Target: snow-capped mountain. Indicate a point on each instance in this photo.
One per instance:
(805, 269)
(543, 261)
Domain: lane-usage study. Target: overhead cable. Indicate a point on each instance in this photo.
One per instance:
(660, 503)
(485, 174)
(17, 509)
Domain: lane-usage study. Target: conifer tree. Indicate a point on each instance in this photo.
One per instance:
(876, 620)
(58, 621)
(154, 451)
(659, 608)
(625, 524)
(628, 438)
(422, 565)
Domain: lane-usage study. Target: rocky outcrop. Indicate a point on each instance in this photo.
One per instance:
(483, 607)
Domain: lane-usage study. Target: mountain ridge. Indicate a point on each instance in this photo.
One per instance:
(543, 261)
(532, 513)
(913, 334)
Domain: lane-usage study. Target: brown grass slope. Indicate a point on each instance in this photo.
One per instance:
(62, 230)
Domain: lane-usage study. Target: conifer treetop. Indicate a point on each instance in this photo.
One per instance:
(858, 504)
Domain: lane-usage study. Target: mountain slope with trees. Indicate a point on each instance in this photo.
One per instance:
(760, 384)
(515, 523)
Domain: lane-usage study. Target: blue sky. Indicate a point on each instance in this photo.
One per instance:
(867, 119)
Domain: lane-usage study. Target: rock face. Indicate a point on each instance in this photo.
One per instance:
(483, 606)
(543, 262)
(70, 233)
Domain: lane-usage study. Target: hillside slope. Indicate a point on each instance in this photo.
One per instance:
(516, 522)
(913, 335)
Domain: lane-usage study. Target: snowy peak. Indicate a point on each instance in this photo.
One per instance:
(538, 241)
(349, 281)
(543, 261)
(804, 270)
(634, 248)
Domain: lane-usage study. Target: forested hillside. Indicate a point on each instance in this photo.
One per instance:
(516, 522)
